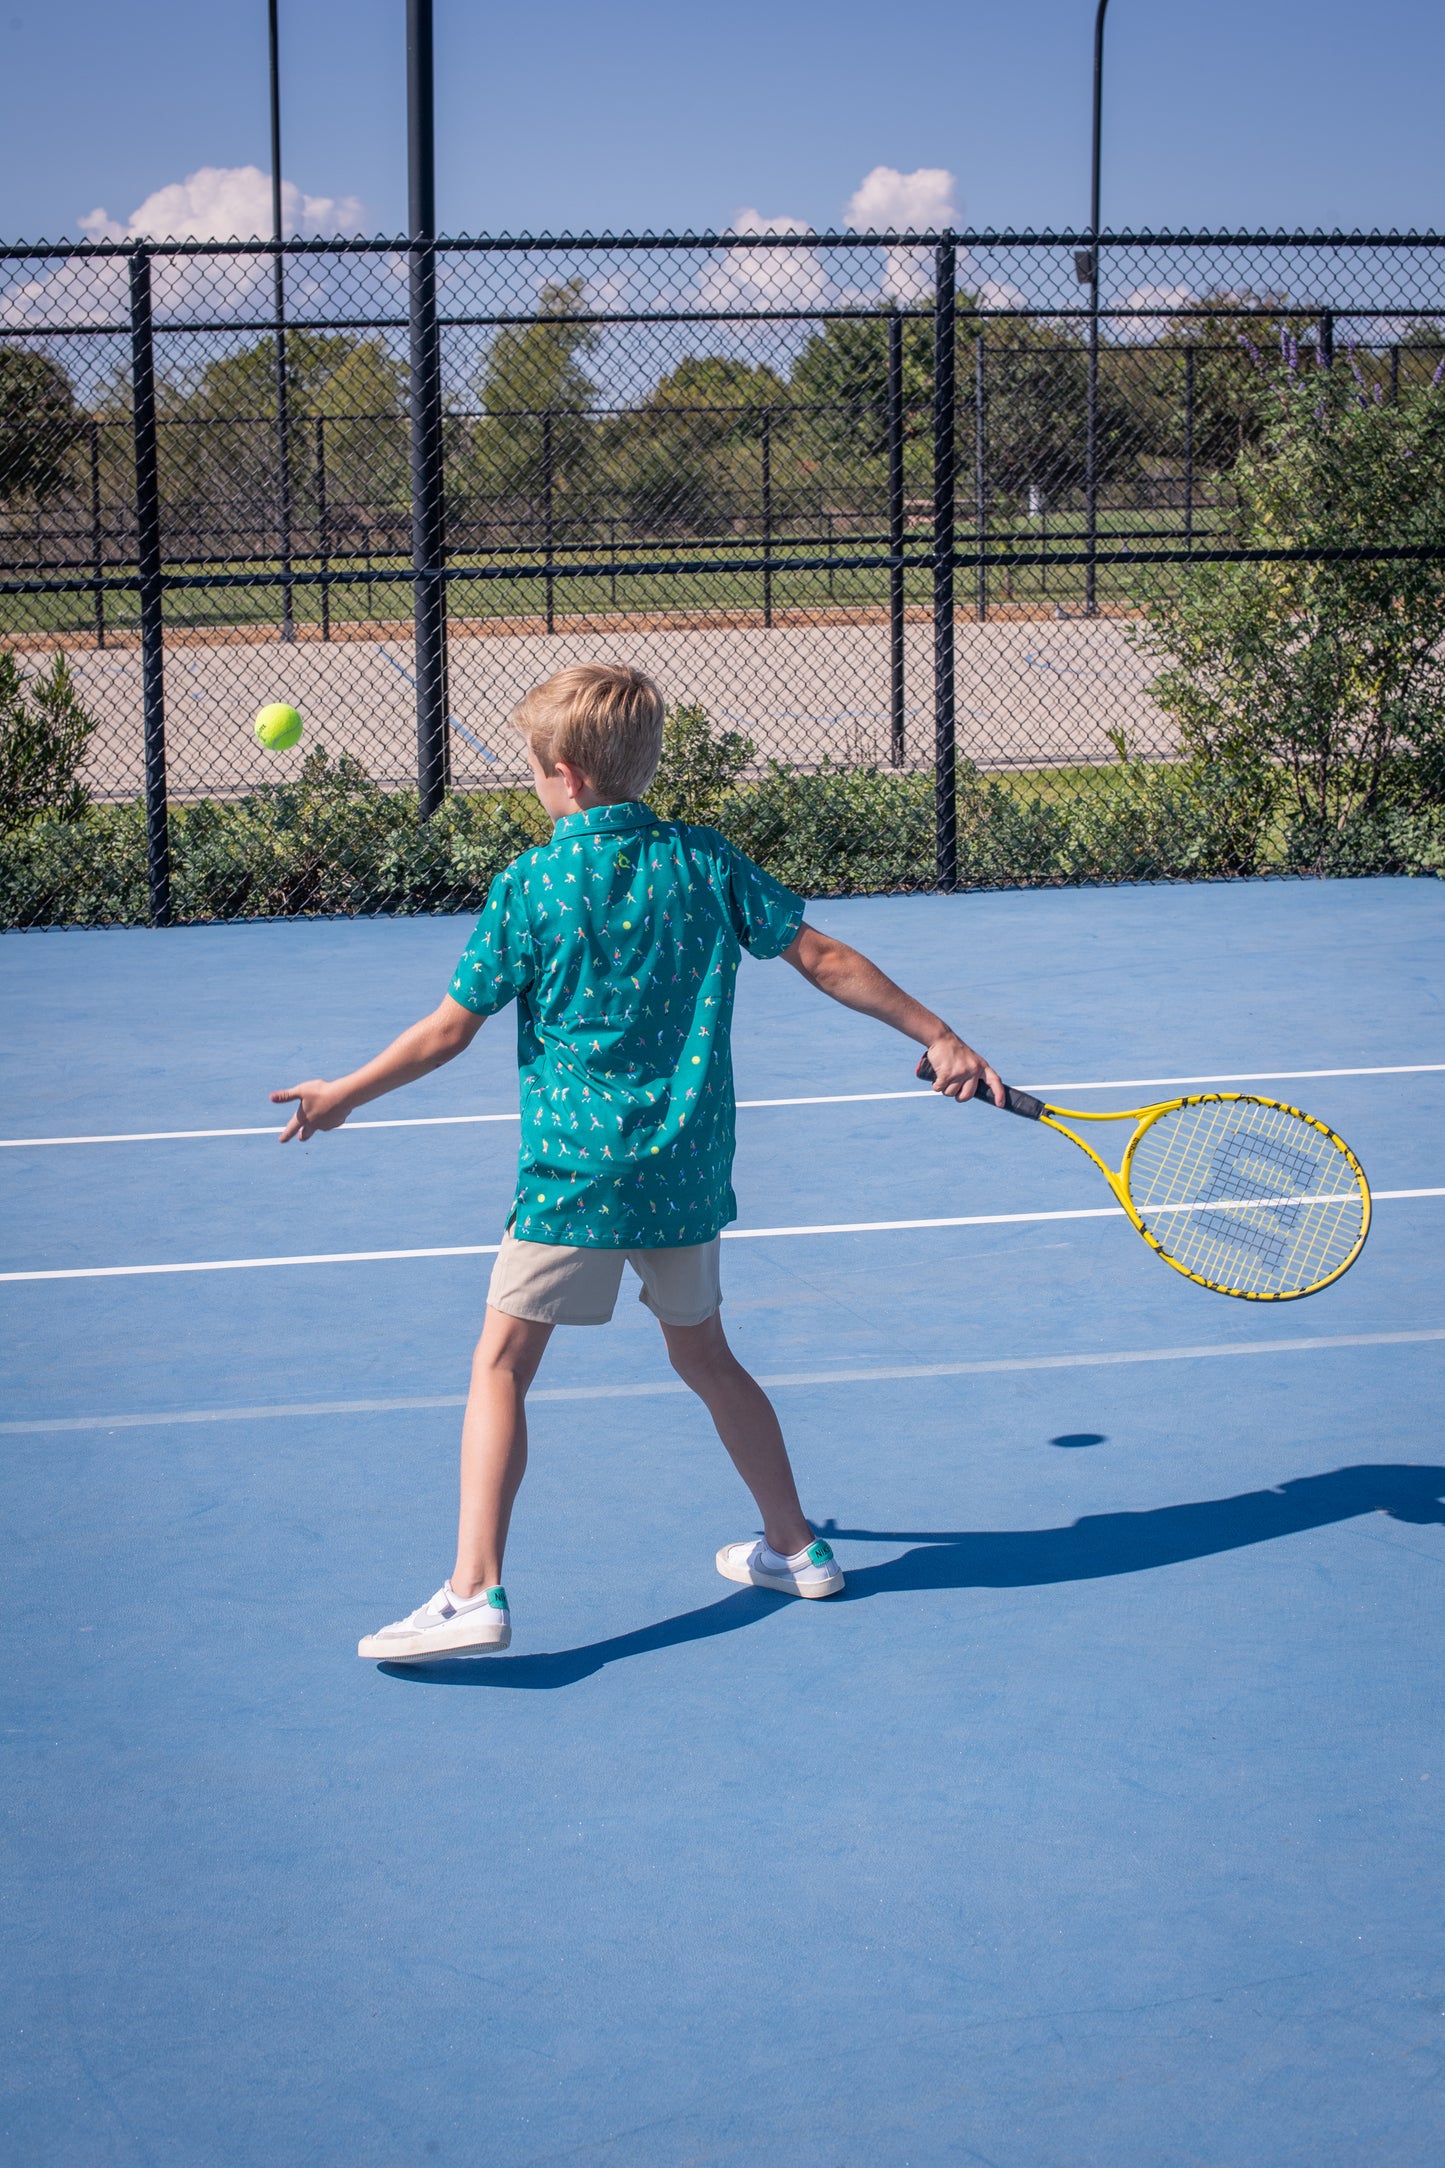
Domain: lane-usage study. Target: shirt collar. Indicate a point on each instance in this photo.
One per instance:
(605, 819)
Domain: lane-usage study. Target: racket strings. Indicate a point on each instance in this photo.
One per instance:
(1251, 1197)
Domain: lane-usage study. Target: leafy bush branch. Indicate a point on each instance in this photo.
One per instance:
(44, 733)
(1320, 683)
(333, 843)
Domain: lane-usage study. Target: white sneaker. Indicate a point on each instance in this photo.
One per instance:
(813, 1572)
(444, 1627)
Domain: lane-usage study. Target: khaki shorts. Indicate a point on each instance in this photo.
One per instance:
(553, 1284)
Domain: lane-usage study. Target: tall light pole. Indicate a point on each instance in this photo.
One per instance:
(428, 540)
(1091, 452)
(278, 277)
(1098, 116)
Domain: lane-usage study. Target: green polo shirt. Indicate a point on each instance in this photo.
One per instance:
(619, 941)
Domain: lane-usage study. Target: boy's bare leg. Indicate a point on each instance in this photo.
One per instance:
(747, 1425)
(494, 1445)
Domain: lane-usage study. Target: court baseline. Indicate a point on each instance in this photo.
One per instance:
(490, 1249)
(1102, 1360)
(818, 1099)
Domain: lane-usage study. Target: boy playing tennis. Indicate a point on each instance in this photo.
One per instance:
(619, 941)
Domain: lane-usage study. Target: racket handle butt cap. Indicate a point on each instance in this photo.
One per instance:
(1015, 1102)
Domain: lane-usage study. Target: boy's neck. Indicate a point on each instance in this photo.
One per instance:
(588, 800)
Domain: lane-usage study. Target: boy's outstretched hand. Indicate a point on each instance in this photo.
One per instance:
(425, 1046)
(320, 1105)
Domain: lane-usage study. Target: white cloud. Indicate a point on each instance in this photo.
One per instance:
(226, 203)
(77, 291)
(764, 278)
(1172, 298)
(215, 203)
(887, 201)
(995, 295)
(1142, 329)
(635, 286)
(98, 225)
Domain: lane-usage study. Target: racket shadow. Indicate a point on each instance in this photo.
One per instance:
(1097, 1547)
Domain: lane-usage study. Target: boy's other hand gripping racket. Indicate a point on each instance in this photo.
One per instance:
(1243, 1195)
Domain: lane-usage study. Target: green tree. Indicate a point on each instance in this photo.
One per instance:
(1217, 394)
(1036, 412)
(1036, 389)
(840, 407)
(39, 423)
(219, 444)
(689, 454)
(1321, 680)
(721, 400)
(536, 399)
(366, 432)
(841, 381)
(327, 372)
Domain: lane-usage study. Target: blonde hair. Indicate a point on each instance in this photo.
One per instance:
(604, 718)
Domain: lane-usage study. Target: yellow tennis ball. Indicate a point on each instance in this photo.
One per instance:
(278, 727)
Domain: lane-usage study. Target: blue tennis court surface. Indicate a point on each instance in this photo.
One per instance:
(1096, 1826)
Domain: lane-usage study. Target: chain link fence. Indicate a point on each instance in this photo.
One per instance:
(961, 560)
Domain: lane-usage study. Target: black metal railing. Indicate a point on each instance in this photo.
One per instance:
(561, 441)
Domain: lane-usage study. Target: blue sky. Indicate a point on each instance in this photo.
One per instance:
(597, 114)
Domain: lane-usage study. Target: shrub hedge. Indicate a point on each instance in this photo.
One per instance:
(334, 843)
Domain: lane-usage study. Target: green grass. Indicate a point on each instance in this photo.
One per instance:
(387, 598)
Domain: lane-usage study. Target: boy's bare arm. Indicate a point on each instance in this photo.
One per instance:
(428, 1045)
(839, 971)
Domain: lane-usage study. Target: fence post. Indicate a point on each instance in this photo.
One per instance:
(283, 453)
(97, 541)
(767, 518)
(278, 304)
(945, 751)
(1189, 447)
(895, 540)
(323, 525)
(428, 540)
(1327, 338)
(980, 476)
(548, 543)
(1091, 441)
(148, 566)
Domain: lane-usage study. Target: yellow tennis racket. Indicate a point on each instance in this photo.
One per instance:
(1244, 1195)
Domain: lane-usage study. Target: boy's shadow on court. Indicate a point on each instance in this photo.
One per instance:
(1101, 1545)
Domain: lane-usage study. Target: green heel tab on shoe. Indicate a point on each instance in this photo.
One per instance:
(497, 1598)
(819, 1553)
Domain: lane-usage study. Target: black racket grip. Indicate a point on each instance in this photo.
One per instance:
(1014, 1102)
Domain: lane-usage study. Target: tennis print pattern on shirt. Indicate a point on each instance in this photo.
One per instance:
(619, 941)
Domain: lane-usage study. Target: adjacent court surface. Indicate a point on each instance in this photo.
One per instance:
(1097, 1825)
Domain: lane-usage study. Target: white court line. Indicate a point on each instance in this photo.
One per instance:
(820, 1099)
(729, 1234)
(792, 1377)
(267, 1129)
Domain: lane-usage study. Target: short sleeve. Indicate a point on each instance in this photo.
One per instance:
(766, 916)
(497, 963)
